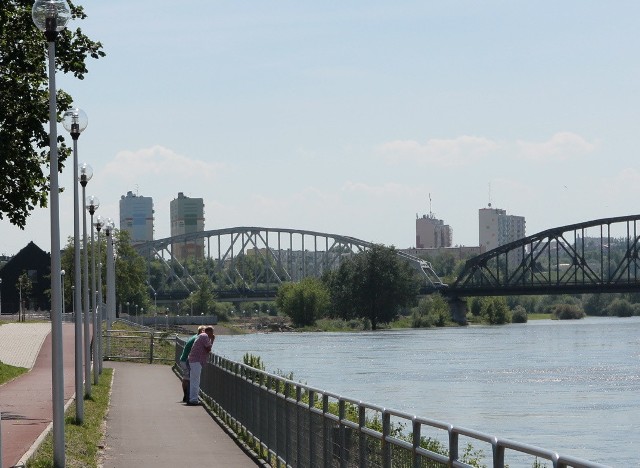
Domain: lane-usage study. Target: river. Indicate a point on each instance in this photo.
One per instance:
(570, 386)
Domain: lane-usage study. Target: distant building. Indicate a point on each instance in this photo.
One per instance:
(36, 263)
(497, 228)
(432, 233)
(136, 217)
(187, 216)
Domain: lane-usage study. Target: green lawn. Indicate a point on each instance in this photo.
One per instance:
(8, 372)
(82, 442)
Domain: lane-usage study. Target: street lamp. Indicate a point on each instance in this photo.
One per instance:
(62, 288)
(99, 224)
(85, 176)
(92, 205)
(51, 16)
(0, 296)
(75, 121)
(111, 282)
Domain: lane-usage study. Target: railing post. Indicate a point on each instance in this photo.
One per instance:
(453, 445)
(417, 427)
(498, 454)
(362, 422)
(386, 431)
(151, 348)
(312, 452)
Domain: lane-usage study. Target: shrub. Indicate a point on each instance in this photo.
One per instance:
(620, 308)
(519, 315)
(567, 312)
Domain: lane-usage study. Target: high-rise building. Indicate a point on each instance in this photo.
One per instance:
(136, 217)
(187, 216)
(497, 228)
(432, 233)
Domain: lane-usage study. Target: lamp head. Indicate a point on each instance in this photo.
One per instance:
(92, 204)
(99, 223)
(109, 225)
(86, 173)
(50, 16)
(75, 121)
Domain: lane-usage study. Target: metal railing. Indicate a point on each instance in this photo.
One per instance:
(295, 425)
(140, 345)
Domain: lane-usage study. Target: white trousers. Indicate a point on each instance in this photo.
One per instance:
(194, 383)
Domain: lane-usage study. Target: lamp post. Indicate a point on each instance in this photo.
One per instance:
(62, 288)
(128, 314)
(99, 224)
(85, 176)
(92, 205)
(51, 16)
(111, 282)
(0, 296)
(75, 121)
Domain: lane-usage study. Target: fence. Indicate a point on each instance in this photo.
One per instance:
(143, 345)
(295, 425)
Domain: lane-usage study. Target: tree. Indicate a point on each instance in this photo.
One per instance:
(496, 311)
(373, 285)
(303, 302)
(24, 104)
(203, 299)
(23, 285)
(131, 273)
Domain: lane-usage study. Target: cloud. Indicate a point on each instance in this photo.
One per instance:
(157, 162)
(439, 152)
(560, 147)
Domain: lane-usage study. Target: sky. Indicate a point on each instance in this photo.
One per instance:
(353, 118)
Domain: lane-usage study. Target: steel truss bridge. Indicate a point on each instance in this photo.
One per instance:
(252, 262)
(591, 257)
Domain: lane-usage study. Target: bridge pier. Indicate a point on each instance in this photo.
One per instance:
(458, 309)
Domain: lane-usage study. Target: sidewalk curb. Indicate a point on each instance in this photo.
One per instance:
(38, 442)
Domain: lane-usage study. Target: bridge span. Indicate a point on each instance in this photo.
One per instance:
(251, 262)
(596, 256)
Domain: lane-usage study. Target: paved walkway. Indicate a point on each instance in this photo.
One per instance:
(147, 423)
(25, 402)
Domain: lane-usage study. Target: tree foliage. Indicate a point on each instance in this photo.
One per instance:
(24, 104)
(303, 302)
(495, 311)
(373, 284)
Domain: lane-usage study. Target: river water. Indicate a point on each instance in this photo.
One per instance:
(570, 386)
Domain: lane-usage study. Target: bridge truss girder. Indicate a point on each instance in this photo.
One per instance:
(564, 260)
(276, 255)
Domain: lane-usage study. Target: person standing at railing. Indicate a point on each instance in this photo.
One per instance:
(184, 364)
(197, 358)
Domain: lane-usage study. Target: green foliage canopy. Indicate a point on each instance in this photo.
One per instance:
(303, 302)
(372, 285)
(24, 104)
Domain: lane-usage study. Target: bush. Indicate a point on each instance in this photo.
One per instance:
(620, 308)
(519, 315)
(567, 312)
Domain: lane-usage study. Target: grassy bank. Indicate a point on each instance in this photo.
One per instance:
(8, 372)
(82, 442)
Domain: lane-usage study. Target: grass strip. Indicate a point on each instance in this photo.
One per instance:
(8, 372)
(82, 442)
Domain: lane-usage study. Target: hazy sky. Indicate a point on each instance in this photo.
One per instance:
(344, 117)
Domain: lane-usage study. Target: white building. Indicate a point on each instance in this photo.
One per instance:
(136, 217)
(187, 216)
(497, 228)
(432, 233)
